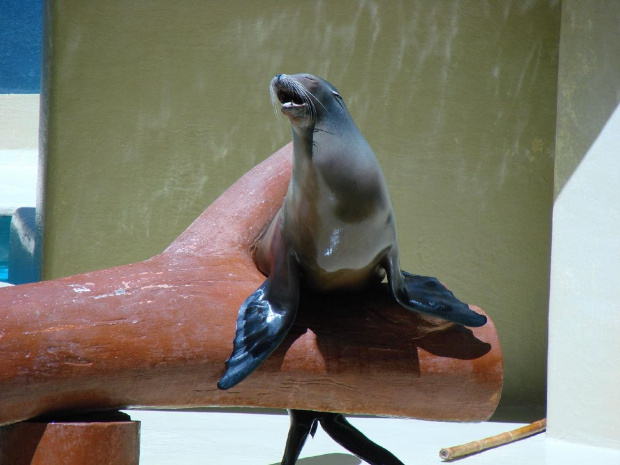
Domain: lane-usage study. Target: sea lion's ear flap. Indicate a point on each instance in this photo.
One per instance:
(339, 99)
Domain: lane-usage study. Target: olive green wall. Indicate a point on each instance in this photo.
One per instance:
(155, 107)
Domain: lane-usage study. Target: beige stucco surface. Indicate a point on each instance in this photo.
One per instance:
(153, 108)
(19, 114)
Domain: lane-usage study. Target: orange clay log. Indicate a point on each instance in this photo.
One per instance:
(157, 333)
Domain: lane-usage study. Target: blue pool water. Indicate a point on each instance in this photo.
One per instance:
(4, 273)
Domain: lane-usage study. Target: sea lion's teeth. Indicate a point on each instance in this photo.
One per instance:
(293, 105)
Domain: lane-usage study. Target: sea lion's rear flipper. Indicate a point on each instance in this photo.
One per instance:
(349, 437)
(425, 294)
(263, 322)
(304, 422)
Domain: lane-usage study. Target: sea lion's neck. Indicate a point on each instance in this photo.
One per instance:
(303, 143)
(303, 189)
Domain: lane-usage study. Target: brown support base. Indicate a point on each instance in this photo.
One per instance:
(95, 439)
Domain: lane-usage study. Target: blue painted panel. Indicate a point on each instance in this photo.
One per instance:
(20, 46)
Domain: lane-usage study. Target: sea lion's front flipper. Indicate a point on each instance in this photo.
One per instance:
(425, 294)
(263, 322)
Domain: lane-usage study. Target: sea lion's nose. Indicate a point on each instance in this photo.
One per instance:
(279, 77)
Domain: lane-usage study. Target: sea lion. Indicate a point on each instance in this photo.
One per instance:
(335, 230)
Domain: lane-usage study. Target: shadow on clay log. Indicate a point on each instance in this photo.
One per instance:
(157, 333)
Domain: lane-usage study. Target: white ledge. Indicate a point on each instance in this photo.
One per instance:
(218, 437)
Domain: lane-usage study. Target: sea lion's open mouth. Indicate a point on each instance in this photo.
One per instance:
(290, 99)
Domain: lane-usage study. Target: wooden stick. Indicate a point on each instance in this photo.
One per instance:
(451, 453)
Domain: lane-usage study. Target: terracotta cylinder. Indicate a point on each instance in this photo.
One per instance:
(71, 442)
(157, 334)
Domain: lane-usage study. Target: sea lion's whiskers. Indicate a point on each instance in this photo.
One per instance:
(304, 95)
(315, 98)
(275, 102)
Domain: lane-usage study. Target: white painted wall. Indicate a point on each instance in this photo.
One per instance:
(584, 339)
(584, 311)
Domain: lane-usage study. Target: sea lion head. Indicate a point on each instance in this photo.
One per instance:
(305, 98)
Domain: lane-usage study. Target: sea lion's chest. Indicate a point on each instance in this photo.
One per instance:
(338, 222)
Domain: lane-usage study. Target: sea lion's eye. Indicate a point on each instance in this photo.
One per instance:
(336, 94)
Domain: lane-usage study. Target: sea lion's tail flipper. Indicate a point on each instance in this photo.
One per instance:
(425, 294)
(263, 322)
